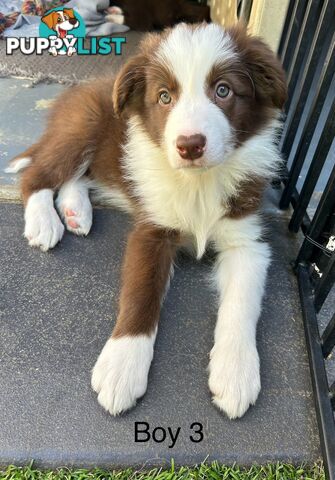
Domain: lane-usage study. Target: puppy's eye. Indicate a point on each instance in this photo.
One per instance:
(59, 20)
(222, 90)
(66, 17)
(164, 97)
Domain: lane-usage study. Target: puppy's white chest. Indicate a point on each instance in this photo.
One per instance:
(188, 201)
(192, 206)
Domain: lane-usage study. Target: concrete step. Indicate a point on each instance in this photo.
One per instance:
(57, 310)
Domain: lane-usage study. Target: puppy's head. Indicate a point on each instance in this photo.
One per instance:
(61, 21)
(201, 91)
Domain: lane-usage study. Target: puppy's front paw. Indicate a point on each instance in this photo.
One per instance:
(43, 227)
(234, 377)
(120, 375)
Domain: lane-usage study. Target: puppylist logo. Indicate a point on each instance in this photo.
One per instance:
(62, 32)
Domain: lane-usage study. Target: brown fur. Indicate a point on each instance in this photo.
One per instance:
(267, 74)
(146, 269)
(257, 81)
(137, 85)
(248, 199)
(154, 114)
(89, 122)
(83, 115)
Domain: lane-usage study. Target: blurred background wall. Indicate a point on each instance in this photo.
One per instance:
(264, 17)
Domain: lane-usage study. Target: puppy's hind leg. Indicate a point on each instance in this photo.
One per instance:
(62, 155)
(74, 206)
(40, 180)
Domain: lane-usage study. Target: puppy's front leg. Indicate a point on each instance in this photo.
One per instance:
(120, 373)
(240, 276)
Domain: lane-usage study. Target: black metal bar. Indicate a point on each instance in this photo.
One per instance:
(300, 141)
(325, 284)
(322, 394)
(318, 149)
(307, 50)
(328, 338)
(327, 239)
(289, 46)
(284, 35)
(245, 10)
(325, 207)
(332, 394)
(306, 222)
(312, 80)
(305, 39)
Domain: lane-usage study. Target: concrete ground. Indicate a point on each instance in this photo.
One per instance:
(58, 308)
(23, 111)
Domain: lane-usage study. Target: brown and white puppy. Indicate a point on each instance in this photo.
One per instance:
(183, 139)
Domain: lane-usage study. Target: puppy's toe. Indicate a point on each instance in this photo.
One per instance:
(79, 224)
(77, 215)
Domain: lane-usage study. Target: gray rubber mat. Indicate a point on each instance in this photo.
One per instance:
(56, 312)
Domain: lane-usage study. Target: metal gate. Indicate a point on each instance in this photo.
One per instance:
(307, 143)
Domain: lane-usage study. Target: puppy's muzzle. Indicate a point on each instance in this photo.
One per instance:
(192, 147)
(73, 21)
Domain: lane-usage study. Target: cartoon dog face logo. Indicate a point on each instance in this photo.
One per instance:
(61, 21)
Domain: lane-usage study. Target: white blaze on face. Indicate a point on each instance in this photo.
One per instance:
(190, 54)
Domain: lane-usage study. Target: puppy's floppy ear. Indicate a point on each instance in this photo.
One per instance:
(48, 20)
(263, 66)
(129, 85)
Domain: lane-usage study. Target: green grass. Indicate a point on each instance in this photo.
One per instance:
(213, 471)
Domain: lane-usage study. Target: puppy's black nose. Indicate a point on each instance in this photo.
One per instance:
(73, 21)
(191, 148)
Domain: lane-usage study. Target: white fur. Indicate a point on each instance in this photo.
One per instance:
(109, 196)
(240, 276)
(43, 227)
(18, 165)
(120, 375)
(191, 116)
(74, 195)
(193, 201)
(190, 55)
